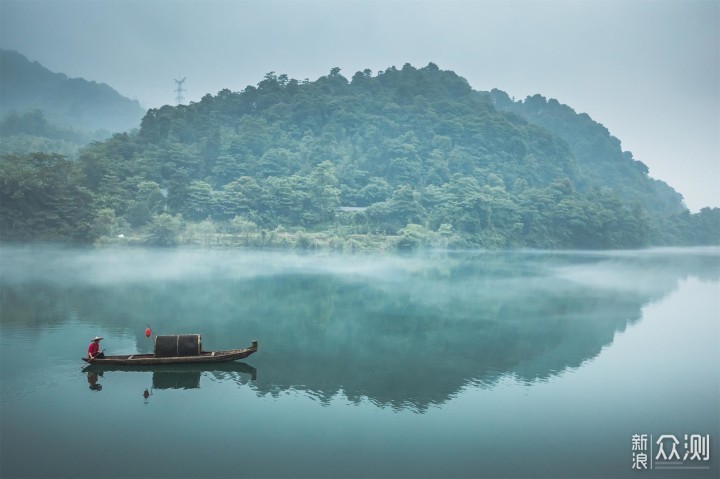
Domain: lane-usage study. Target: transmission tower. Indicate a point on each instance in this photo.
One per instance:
(179, 98)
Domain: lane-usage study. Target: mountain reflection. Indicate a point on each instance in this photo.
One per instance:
(401, 332)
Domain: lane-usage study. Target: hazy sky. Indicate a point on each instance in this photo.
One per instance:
(648, 70)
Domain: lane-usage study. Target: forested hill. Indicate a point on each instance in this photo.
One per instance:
(415, 155)
(599, 155)
(75, 103)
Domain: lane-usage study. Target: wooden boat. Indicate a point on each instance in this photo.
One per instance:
(151, 359)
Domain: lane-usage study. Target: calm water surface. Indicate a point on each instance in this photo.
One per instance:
(468, 364)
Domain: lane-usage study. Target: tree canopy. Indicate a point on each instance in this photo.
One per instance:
(416, 154)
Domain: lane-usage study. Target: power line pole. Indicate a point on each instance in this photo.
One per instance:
(179, 98)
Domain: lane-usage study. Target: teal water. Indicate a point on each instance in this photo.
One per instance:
(473, 364)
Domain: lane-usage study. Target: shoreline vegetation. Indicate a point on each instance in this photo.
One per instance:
(242, 234)
(245, 235)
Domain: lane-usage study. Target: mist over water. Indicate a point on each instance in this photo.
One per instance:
(344, 339)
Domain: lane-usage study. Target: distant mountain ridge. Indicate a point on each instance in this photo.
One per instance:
(75, 103)
(599, 155)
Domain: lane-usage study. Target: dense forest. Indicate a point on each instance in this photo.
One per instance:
(403, 158)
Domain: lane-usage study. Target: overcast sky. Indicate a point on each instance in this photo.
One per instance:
(648, 70)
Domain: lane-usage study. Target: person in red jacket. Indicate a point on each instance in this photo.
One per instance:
(94, 349)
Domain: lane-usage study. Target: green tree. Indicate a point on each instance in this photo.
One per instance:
(199, 201)
(376, 190)
(401, 209)
(324, 194)
(277, 162)
(178, 190)
(164, 230)
(149, 193)
(138, 214)
(414, 236)
(106, 223)
(285, 201)
(42, 198)
(239, 198)
(706, 226)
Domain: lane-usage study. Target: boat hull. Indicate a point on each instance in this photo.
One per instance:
(206, 357)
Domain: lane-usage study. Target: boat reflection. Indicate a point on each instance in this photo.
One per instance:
(220, 368)
(181, 376)
(176, 379)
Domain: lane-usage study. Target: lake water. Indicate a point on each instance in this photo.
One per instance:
(472, 364)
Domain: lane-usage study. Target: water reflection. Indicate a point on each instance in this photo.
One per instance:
(414, 342)
(175, 380)
(187, 376)
(92, 379)
(404, 333)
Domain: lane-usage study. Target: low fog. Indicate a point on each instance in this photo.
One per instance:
(431, 277)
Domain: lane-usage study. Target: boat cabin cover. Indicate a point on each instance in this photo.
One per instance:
(178, 345)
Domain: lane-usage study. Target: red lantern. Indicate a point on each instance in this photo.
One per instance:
(148, 332)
